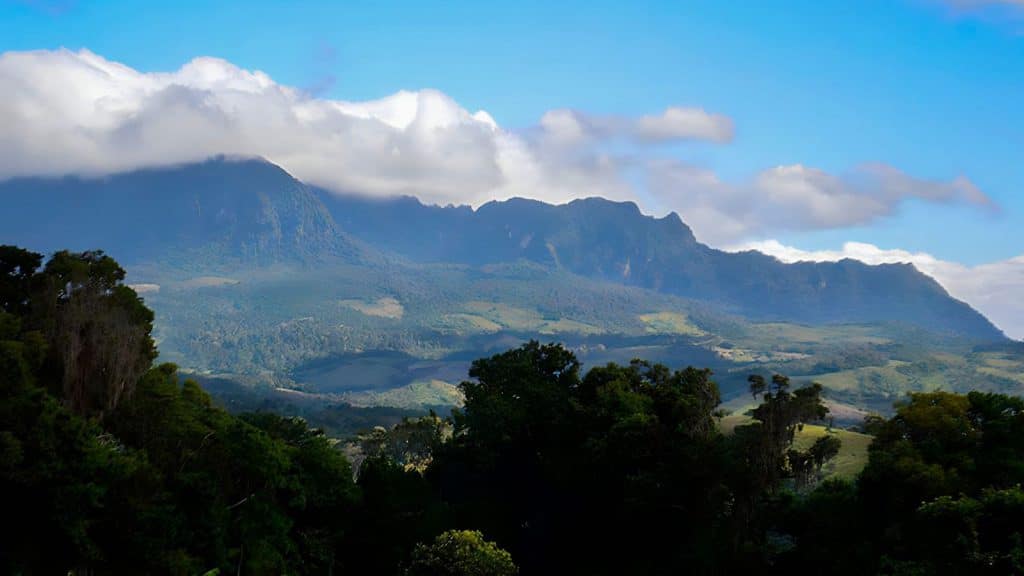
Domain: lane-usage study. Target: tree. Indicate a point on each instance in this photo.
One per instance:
(410, 444)
(17, 271)
(778, 417)
(805, 466)
(519, 395)
(460, 553)
(58, 475)
(99, 330)
(564, 472)
(760, 458)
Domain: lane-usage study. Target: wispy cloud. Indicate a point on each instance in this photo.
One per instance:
(797, 197)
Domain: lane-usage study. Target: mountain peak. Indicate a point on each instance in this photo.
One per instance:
(233, 208)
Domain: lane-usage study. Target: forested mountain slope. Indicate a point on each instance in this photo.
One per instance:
(615, 242)
(260, 278)
(252, 211)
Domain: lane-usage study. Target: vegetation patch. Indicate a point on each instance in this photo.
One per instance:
(510, 317)
(853, 452)
(567, 326)
(460, 323)
(417, 395)
(386, 307)
(670, 323)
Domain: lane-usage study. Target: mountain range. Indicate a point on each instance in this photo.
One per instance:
(253, 272)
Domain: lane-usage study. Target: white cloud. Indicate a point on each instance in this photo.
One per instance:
(76, 112)
(677, 123)
(795, 197)
(994, 289)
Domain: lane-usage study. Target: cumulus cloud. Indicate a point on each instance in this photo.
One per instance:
(77, 112)
(994, 288)
(796, 197)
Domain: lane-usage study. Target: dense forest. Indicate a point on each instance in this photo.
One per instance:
(110, 464)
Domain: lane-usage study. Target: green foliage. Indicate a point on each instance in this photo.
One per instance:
(766, 442)
(565, 471)
(110, 473)
(409, 444)
(940, 494)
(165, 482)
(460, 553)
(56, 478)
(96, 329)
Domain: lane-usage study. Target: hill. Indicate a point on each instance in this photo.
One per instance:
(222, 210)
(257, 277)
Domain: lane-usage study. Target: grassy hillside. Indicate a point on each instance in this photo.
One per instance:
(853, 453)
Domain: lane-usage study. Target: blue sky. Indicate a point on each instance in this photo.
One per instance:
(932, 88)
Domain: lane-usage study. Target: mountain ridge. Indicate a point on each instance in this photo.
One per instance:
(615, 241)
(250, 211)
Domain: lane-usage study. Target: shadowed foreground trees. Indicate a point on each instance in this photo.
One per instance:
(569, 472)
(109, 465)
(96, 329)
(940, 495)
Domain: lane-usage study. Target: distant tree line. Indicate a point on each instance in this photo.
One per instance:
(110, 465)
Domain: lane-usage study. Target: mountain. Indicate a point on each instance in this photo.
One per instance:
(251, 211)
(240, 210)
(262, 279)
(615, 242)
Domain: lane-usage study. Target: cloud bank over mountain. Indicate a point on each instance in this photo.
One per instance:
(77, 112)
(66, 112)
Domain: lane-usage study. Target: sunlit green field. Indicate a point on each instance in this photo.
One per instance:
(853, 453)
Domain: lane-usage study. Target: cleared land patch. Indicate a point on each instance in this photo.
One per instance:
(386, 307)
(415, 395)
(670, 323)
